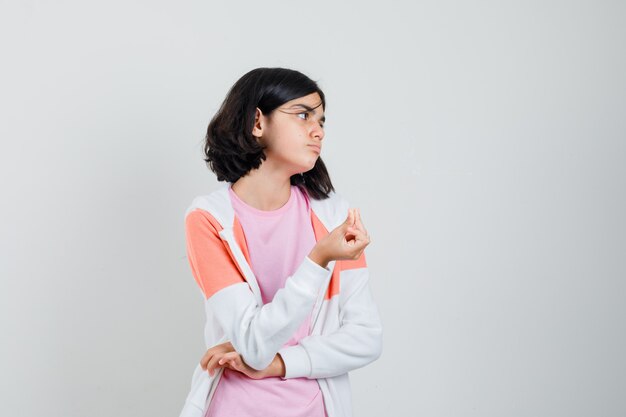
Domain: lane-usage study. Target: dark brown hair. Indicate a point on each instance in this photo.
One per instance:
(230, 149)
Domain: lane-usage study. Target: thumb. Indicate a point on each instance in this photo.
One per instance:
(236, 364)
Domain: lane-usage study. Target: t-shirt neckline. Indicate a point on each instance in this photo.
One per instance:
(266, 213)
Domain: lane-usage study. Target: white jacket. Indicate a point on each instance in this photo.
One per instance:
(346, 331)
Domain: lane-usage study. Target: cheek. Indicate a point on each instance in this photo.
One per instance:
(293, 142)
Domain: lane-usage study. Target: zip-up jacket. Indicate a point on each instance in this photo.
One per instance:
(346, 330)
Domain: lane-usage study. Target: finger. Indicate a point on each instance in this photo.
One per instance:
(213, 364)
(205, 359)
(228, 357)
(358, 223)
(208, 355)
(350, 236)
(354, 244)
(229, 360)
(350, 219)
(236, 365)
(361, 239)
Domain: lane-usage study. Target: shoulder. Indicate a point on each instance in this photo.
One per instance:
(198, 219)
(214, 207)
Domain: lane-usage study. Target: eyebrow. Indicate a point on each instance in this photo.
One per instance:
(309, 108)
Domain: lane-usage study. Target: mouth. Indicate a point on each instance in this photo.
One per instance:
(317, 148)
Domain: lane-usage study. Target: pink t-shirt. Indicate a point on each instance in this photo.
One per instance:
(278, 241)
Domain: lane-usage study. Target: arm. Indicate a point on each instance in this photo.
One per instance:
(355, 344)
(256, 332)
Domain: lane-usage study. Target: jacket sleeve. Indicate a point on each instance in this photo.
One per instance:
(356, 343)
(256, 331)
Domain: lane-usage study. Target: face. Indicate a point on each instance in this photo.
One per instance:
(293, 134)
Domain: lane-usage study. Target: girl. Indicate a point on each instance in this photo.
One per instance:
(279, 257)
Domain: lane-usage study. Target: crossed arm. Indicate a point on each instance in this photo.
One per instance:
(257, 334)
(357, 342)
(224, 355)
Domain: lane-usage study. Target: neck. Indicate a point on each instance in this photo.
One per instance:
(263, 190)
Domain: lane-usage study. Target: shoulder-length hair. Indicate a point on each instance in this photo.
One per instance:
(230, 149)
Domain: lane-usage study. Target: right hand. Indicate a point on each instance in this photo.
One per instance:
(346, 241)
(234, 361)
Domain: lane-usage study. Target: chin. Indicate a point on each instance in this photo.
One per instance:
(305, 168)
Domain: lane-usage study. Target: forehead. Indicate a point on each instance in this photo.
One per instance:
(311, 101)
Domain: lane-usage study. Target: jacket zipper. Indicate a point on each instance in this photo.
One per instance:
(317, 308)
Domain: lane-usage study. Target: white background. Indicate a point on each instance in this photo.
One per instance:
(484, 143)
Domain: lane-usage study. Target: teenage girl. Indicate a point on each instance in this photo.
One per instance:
(265, 141)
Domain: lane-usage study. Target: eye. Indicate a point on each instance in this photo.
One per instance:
(308, 116)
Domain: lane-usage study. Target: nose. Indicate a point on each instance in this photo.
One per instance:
(317, 131)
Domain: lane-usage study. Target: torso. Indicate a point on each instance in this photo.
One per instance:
(277, 242)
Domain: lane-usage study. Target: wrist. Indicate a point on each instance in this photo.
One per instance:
(318, 258)
(278, 366)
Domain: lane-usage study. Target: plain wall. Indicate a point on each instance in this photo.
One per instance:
(484, 143)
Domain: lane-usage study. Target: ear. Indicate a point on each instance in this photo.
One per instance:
(259, 122)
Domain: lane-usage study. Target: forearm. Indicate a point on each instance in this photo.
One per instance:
(257, 333)
(256, 330)
(323, 356)
(356, 343)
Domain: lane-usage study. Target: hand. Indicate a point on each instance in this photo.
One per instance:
(358, 223)
(210, 359)
(234, 361)
(346, 241)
